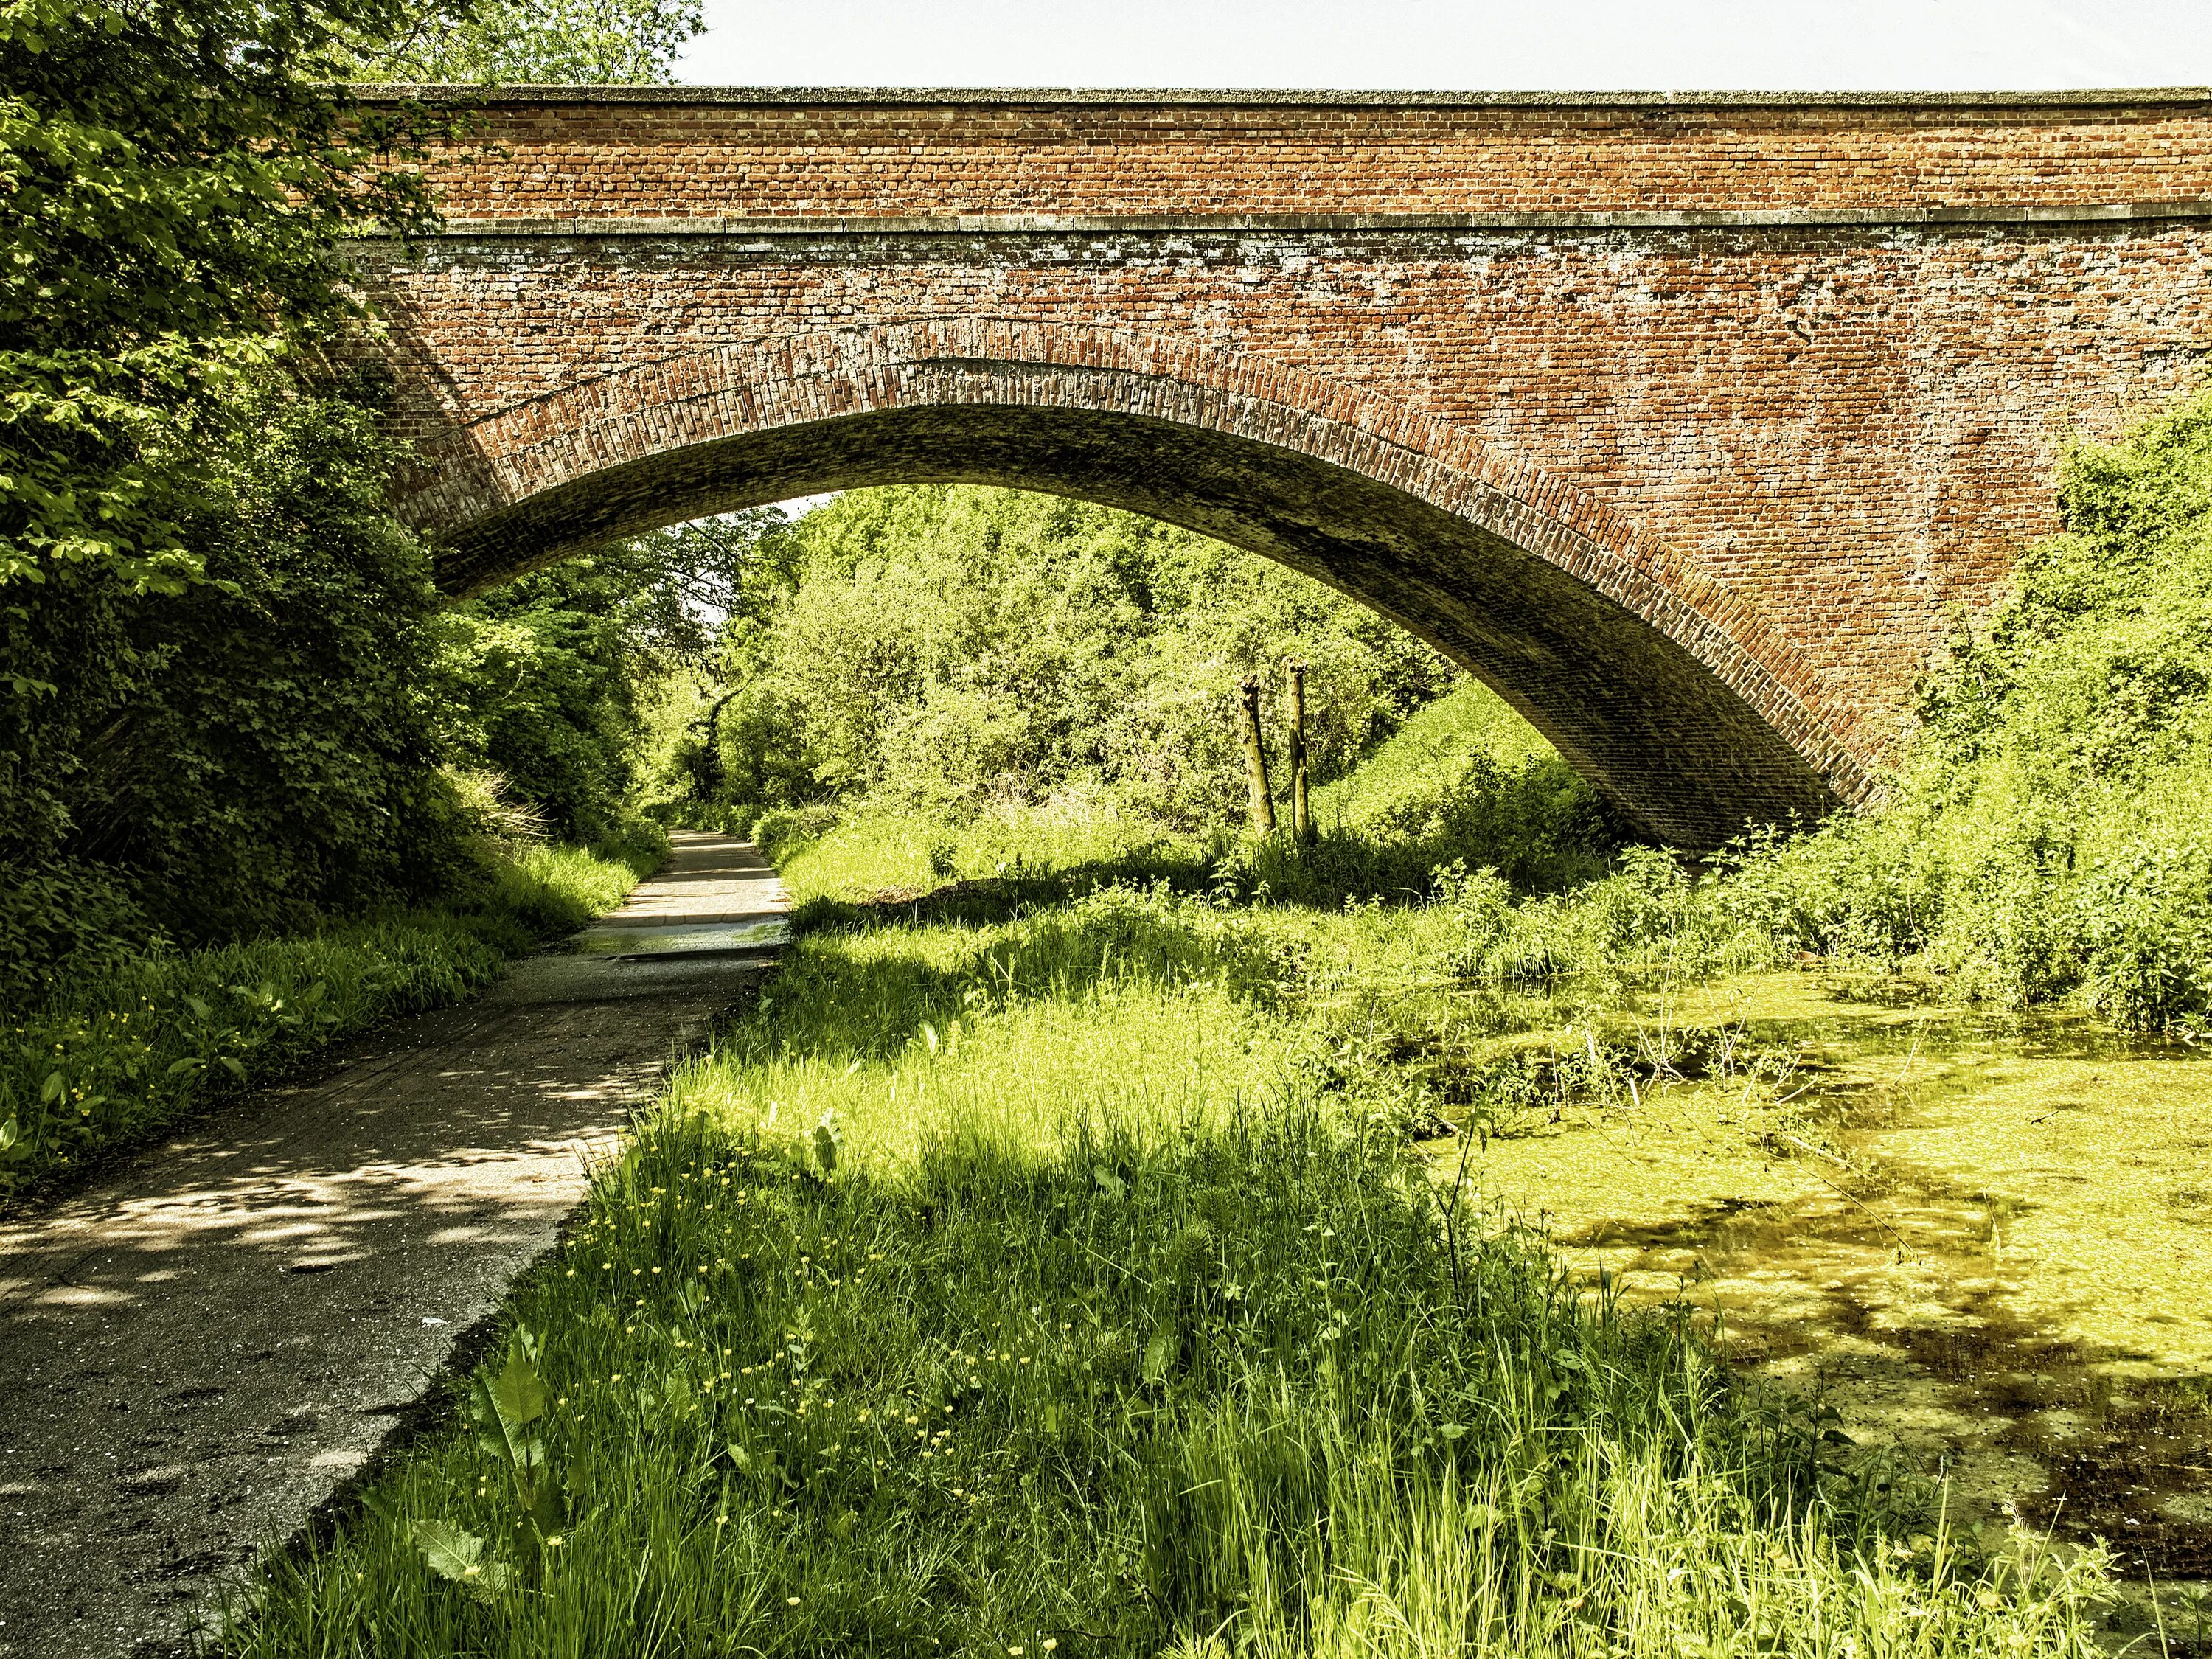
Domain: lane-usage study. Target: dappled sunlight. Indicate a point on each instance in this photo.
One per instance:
(274, 1291)
(1979, 1237)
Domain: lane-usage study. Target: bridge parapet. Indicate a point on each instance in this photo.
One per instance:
(1014, 159)
(1692, 424)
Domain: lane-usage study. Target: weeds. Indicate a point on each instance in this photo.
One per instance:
(1052, 1273)
(118, 1055)
(1049, 1284)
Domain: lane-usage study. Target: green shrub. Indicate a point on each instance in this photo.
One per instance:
(2047, 838)
(247, 755)
(127, 1044)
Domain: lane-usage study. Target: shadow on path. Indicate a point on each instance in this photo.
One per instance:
(198, 1350)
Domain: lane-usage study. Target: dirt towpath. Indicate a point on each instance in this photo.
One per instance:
(196, 1353)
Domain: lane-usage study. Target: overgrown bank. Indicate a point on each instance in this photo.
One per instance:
(2049, 839)
(1052, 1262)
(1067, 1283)
(2044, 842)
(111, 1057)
(250, 764)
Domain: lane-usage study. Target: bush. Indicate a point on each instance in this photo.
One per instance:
(244, 757)
(126, 1045)
(2046, 840)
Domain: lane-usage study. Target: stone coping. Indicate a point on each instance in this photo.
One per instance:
(2091, 98)
(470, 228)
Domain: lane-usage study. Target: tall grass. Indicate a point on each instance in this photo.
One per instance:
(1037, 1273)
(108, 1058)
(1464, 779)
(2046, 840)
(1019, 1288)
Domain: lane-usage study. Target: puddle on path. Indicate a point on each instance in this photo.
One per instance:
(681, 940)
(1986, 1239)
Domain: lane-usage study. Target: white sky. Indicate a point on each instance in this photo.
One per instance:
(1457, 44)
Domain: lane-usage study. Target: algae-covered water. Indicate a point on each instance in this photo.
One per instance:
(1986, 1239)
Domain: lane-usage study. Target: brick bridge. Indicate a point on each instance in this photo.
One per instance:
(1691, 424)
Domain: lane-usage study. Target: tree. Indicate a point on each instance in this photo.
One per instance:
(598, 42)
(175, 188)
(542, 683)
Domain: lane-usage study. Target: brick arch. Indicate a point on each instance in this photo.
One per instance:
(1653, 677)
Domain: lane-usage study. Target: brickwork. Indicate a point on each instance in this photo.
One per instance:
(1692, 427)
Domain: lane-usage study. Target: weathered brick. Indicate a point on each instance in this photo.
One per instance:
(1691, 425)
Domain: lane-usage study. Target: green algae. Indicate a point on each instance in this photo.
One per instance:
(1984, 1238)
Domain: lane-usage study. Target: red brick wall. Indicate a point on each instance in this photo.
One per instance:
(1776, 374)
(881, 158)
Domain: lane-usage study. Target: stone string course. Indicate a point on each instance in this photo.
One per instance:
(1794, 452)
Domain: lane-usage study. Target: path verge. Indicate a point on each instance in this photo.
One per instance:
(198, 1350)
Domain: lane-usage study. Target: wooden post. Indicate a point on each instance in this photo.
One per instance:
(1256, 761)
(1302, 830)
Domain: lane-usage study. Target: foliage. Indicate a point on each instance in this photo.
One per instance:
(120, 1050)
(305, 734)
(2048, 838)
(175, 189)
(246, 754)
(1104, 1329)
(544, 682)
(942, 650)
(1465, 780)
(223, 712)
(543, 42)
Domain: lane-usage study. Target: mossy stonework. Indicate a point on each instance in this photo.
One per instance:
(1691, 425)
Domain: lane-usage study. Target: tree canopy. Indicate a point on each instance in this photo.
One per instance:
(608, 42)
(177, 182)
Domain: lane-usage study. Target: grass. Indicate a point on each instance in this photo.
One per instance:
(2045, 840)
(115, 1058)
(1035, 1285)
(1465, 779)
(1050, 1262)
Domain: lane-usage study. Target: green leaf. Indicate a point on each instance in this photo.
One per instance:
(233, 1064)
(460, 1556)
(1159, 1354)
(51, 1090)
(519, 1391)
(546, 1503)
(449, 1552)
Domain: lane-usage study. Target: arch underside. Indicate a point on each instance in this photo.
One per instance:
(1678, 751)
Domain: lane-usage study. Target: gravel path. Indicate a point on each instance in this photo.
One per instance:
(197, 1352)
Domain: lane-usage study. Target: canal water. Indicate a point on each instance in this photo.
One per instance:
(1984, 1239)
